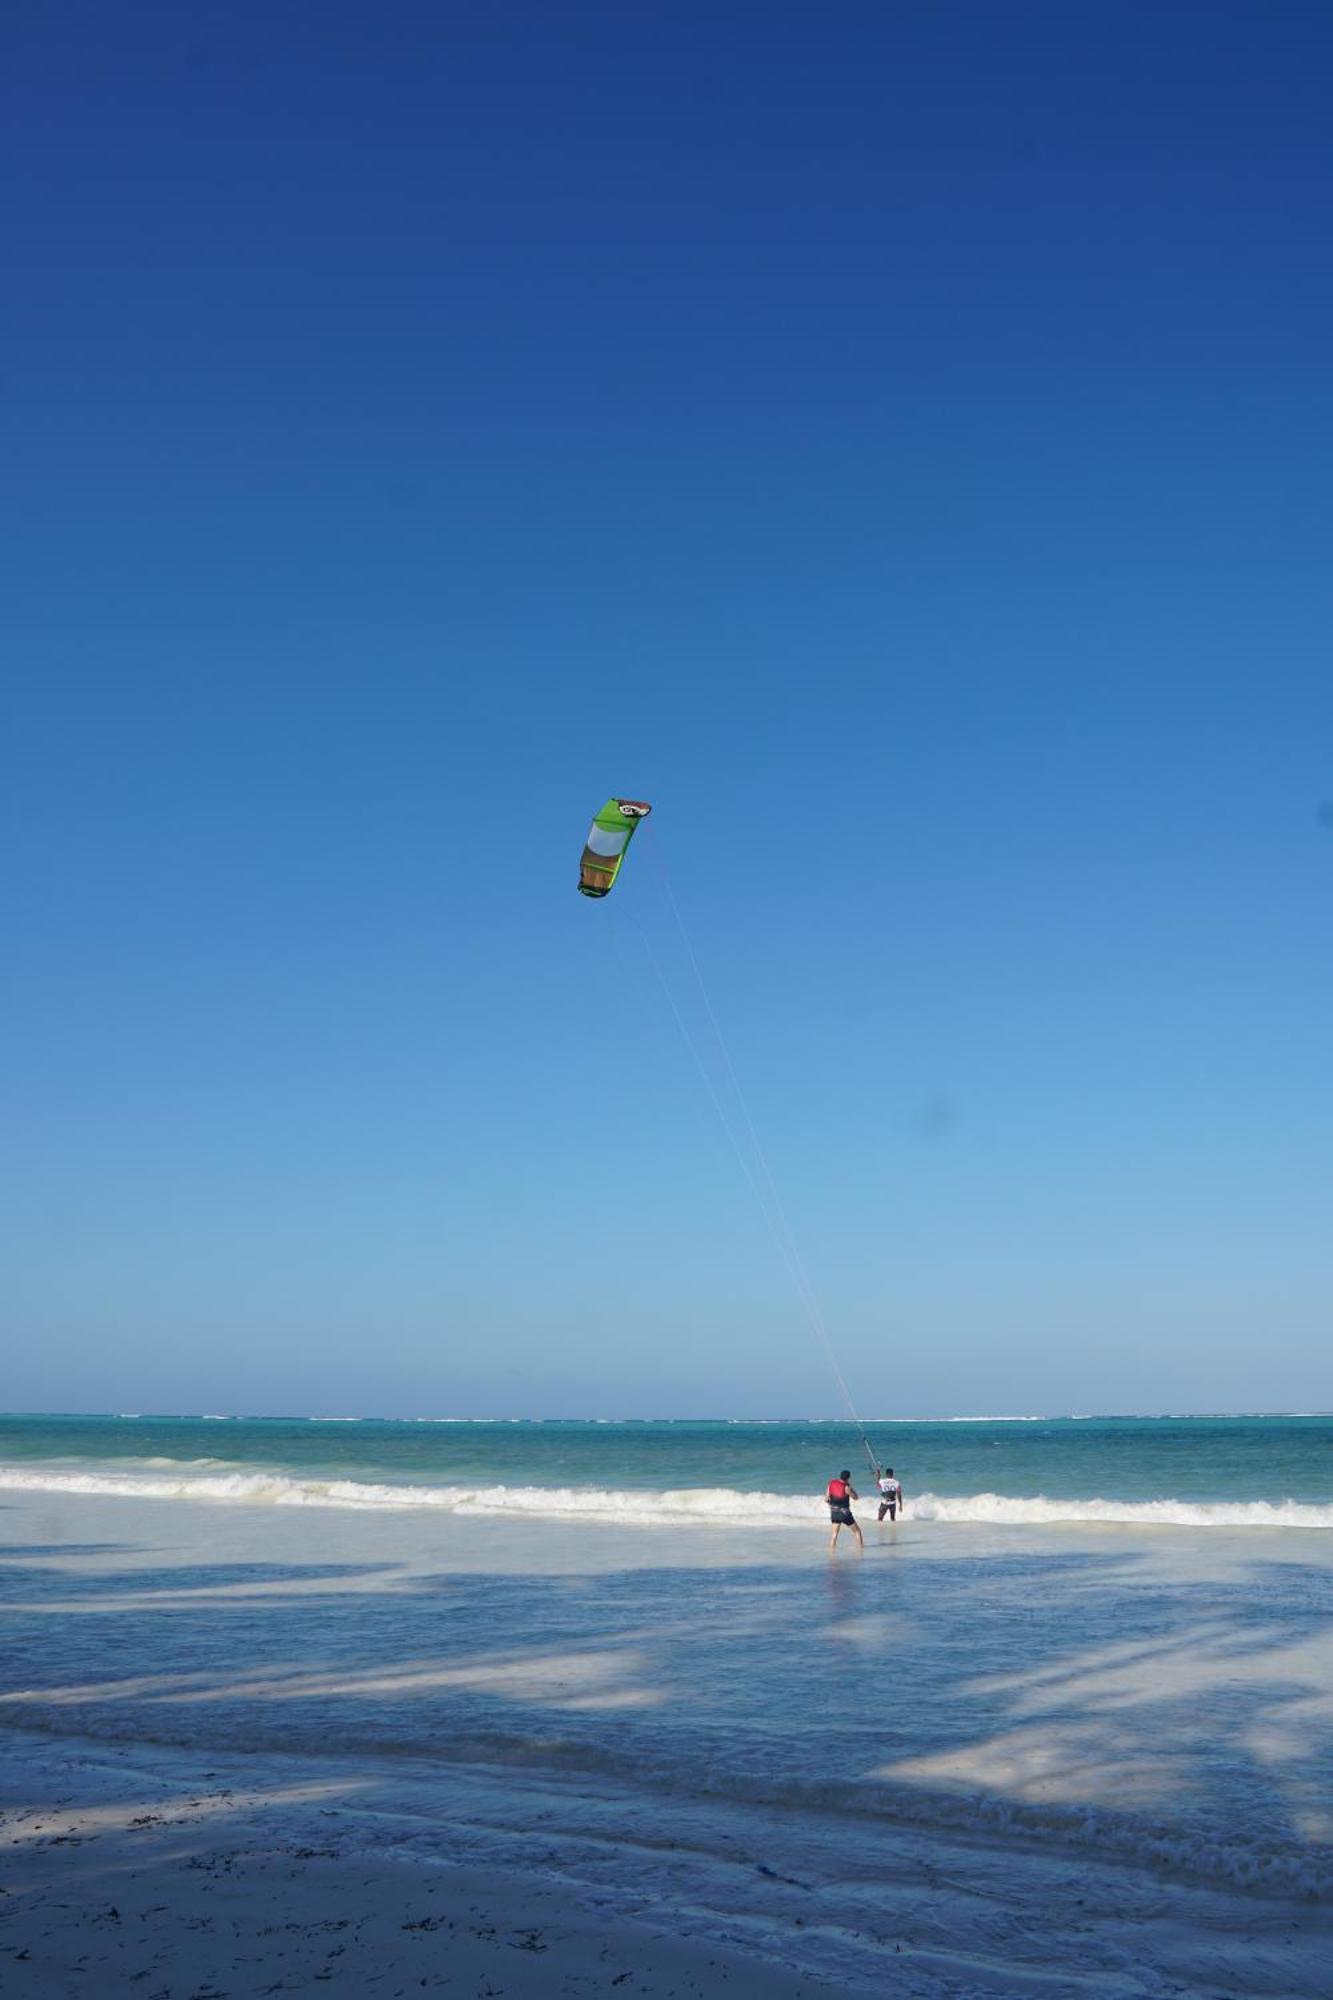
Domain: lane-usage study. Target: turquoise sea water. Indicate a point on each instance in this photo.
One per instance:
(1226, 1464)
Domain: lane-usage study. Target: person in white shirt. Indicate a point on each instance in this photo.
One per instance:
(890, 1493)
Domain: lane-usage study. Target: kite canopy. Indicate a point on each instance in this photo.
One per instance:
(608, 842)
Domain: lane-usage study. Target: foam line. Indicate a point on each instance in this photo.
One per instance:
(704, 1505)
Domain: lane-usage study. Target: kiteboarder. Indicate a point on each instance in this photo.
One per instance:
(890, 1493)
(840, 1495)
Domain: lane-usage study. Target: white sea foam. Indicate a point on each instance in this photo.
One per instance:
(257, 1487)
(1016, 1511)
(175, 1464)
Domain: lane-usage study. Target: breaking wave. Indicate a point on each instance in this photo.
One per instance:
(705, 1505)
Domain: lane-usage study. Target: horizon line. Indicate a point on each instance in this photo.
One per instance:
(842, 1422)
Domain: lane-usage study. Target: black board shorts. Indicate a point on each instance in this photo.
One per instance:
(840, 1516)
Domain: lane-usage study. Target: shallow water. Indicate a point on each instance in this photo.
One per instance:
(1161, 1698)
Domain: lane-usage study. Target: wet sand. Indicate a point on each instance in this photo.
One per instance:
(187, 1895)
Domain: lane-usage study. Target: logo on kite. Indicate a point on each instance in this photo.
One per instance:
(608, 843)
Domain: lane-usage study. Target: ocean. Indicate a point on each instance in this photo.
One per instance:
(1226, 1471)
(1095, 1660)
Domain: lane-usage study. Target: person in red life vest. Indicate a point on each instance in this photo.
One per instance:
(840, 1496)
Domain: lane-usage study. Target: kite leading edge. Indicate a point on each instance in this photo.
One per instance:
(608, 843)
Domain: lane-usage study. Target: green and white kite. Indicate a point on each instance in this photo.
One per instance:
(608, 843)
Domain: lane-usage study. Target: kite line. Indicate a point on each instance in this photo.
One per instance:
(771, 1205)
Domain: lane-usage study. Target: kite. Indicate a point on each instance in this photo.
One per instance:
(608, 842)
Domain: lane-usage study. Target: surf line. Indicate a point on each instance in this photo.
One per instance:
(765, 1190)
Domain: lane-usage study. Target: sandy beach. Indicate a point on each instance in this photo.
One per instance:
(146, 1875)
(124, 1879)
(252, 1751)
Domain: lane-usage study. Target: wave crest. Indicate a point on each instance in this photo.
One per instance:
(705, 1505)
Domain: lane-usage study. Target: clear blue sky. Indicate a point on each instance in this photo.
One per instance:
(893, 438)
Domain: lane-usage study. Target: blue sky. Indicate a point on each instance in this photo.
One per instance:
(895, 440)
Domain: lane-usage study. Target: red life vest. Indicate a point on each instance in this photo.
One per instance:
(838, 1490)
